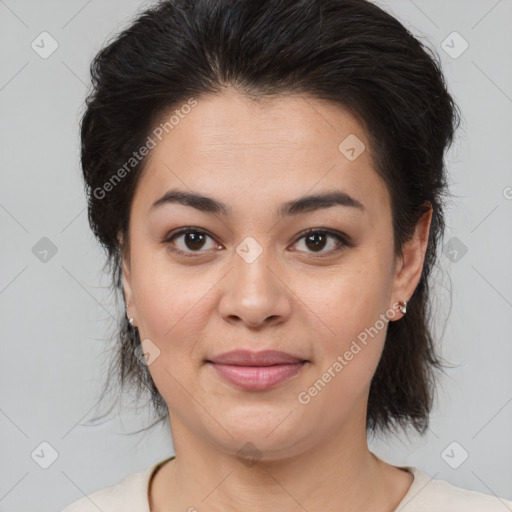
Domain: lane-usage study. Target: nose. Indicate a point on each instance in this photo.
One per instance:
(254, 294)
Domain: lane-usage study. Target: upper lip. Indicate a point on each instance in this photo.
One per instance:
(251, 358)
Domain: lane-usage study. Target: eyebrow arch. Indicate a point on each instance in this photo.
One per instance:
(294, 207)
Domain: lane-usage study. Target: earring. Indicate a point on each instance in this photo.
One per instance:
(131, 321)
(403, 306)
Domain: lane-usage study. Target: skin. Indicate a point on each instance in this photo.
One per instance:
(254, 157)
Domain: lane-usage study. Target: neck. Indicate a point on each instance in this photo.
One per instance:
(321, 478)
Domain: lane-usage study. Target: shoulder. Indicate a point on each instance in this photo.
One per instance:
(430, 495)
(130, 494)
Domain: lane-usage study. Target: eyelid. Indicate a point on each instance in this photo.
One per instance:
(184, 230)
(342, 239)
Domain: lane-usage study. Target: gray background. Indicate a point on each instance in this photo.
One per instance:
(57, 310)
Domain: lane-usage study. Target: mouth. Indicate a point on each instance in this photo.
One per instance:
(251, 358)
(256, 371)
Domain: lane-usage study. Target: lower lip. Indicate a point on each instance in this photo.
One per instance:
(257, 378)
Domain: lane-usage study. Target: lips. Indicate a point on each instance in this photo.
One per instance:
(256, 371)
(249, 358)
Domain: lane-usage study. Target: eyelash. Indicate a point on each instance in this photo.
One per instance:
(343, 241)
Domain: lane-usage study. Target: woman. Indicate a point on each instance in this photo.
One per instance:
(267, 179)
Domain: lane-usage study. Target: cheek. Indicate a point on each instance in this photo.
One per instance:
(353, 310)
(352, 304)
(171, 306)
(170, 301)
(351, 296)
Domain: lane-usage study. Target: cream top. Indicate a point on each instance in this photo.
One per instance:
(424, 495)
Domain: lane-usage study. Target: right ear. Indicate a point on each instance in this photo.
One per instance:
(126, 279)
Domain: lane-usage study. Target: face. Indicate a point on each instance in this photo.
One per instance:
(315, 279)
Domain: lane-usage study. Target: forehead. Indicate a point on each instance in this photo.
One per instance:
(237, 149)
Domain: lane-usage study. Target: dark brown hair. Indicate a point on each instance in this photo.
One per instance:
(349, 52)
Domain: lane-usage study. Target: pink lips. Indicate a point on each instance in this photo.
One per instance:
(256, 370)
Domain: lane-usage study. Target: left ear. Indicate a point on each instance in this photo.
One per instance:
(410, 264)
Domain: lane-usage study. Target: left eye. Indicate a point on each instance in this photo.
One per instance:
(317, 240)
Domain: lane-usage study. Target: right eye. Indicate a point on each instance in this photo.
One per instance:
(189, 240)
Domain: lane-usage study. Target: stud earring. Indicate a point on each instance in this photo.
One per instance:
(131, 321)
(403, 306)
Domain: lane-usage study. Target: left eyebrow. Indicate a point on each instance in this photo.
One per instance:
(319, 201)
(294, 207)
